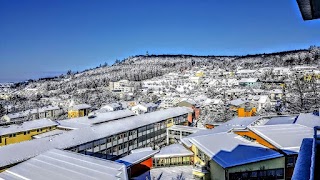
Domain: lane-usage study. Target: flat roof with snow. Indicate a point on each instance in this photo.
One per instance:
(229, 149)
(59, 164)
(137, 156)
(98, 118)
(32, 111)
(286, 137)
(281, 120)
(238, 123)
(248, 80)
(48, 134)
(173, 150)
(26, 126)
(185, 128)
(238, 102)
(308, 119)
(80, 106)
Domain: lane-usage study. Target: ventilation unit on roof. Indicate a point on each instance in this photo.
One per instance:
(92, 116)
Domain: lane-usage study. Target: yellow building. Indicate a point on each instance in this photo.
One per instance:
(24, 132)
(79, 110)
(199, 74)
(229, 156)
(309, 77)
(173, 155)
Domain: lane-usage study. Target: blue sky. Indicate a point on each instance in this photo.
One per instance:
(48, 37)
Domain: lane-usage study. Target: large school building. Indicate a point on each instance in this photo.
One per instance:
(107, 140)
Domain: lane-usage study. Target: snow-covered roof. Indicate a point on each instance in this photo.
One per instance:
(80, 106)
(304, 67)
(137, 156)
(308, 119)
(190, 101)
(173, 150)
(50, 133)
(248, 80)
(28, 149)
(238, 123)
(48, 108)
(238, 102)
(229, 149)
(26, 126)
(235, 90)
(185, 128)
(32, 111)
(286, 137)
(281, 120)
(58, 164)
(244, 71)
(151, 105)
(112, 105)
(263, 99)
(276, 91)
(76, 123)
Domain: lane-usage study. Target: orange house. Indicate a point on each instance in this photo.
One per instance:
(139, 161)
(243, 107)
(244, 112)
(196, 109)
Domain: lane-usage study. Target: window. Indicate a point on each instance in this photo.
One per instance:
(24, 133)
(291, 161)
(259, 174)
(109, 140)
(38, 130)
(14, 135)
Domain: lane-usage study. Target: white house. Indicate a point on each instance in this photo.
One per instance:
(112, 107)
(144, 108)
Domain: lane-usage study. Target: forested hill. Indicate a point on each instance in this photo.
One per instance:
(143, 67)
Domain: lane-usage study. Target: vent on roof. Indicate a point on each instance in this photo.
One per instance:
(92, 116)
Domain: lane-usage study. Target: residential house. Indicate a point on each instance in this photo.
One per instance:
(112, 107)
(122, 86)
(275, 95)
(191, 104)
(144, 108)
(245, 73)
(249, 82)
(261, 102)
(243, 107)
(79, 110)
(50, 112)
